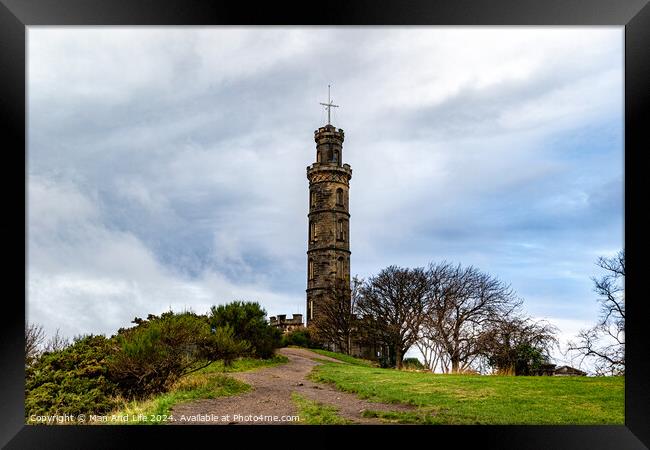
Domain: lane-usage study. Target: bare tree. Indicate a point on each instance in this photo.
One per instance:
(392, 306)
(34, 338)
(435, 358)
(462, 302)
(604, 344)
(57, 342)
(518, 345)
(336, 318)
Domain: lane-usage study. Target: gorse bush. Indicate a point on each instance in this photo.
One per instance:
(158, 351)
(71, 381)
(248, 321)
(149, 358)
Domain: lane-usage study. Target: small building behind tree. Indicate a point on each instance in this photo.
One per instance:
(567, 371)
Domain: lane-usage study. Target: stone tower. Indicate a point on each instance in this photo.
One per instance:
(328, 251)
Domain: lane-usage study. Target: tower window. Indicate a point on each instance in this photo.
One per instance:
(312, 199)
(339, 197)
(336, 156)
(310, 270)
(339, 268)
(318, 157)
(340, 230)
(329, 155)
(312, 231)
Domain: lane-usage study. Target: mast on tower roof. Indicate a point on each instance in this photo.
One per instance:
(329, 105)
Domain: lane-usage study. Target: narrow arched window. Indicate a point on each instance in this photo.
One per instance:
(312, 231)
(318, 157)
(339, 197)
(312, 200)
(340, 230)
(339, 268)
(329, 155)
(310, 270)
(336, 156)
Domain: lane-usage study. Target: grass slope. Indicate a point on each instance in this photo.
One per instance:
(315, 413)
(244, 364)
(473, 399)
(345, 358)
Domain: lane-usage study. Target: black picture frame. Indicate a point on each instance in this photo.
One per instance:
(16, 15)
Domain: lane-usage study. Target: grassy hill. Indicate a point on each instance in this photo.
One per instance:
(440, 399)
(475, 399)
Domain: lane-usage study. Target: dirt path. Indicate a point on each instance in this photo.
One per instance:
(271, 396)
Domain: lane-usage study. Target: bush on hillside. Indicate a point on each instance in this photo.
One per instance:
(412, 364)
(71, 381)
(523, 359)
(248, 321)
(301, 338)
(158, 351)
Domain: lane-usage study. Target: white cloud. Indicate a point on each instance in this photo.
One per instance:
(98, 280)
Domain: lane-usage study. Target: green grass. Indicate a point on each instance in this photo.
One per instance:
(315, 413)
(474, 399)
(245, 364)
(193, 387)
(345, 358)
(209, 382)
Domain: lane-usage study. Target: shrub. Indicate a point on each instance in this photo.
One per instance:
(71, 381)
(300, 338)
(248, 321)
(522, 359)
(158, 351)
(412, 364)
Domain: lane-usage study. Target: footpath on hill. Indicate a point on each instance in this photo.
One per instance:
(270, 402)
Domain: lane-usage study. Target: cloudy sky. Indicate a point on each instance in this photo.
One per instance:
(166, 166)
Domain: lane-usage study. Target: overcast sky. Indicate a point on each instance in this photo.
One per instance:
(166, 166)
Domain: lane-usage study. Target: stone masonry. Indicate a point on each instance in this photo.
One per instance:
(286, 325)
(328, 253)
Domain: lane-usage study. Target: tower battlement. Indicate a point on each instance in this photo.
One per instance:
(329, 130)
(329, 145)
(329, 135)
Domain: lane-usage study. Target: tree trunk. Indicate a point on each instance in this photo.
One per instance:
(398, 357)
(349, 352)
(455, 364)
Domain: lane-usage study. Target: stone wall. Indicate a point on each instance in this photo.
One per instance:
(286, 325)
